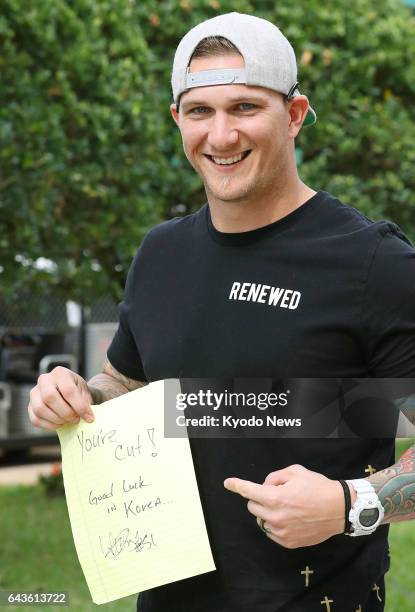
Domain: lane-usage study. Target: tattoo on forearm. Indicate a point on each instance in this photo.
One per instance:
(110, 384)
(395, 487)
(103, 388)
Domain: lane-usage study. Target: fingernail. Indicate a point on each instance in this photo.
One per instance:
(90, 418)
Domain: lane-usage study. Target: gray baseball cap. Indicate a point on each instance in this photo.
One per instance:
(269, 57)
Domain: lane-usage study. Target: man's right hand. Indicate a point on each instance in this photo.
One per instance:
(59, 398)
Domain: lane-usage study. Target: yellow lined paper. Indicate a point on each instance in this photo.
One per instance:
(132, 498)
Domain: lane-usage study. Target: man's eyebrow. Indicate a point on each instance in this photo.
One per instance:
(239, 99)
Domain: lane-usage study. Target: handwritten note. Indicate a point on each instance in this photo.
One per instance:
(132, 497)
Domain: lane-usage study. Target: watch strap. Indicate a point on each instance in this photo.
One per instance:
(362, 486)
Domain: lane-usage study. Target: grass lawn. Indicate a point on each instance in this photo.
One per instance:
(37, 553)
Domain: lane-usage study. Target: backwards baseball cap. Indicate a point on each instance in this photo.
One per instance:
(269, 57)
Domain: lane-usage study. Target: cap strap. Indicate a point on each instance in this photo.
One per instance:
(222, 76)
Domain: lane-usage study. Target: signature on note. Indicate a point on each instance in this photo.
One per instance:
(126, 542)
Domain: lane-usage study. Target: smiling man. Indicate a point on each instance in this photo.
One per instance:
(271, 278)
(240, 139)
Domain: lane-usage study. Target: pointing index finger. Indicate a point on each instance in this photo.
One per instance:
(248, 489)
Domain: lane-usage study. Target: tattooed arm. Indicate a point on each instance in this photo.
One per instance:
(395, 487)
(110, 383)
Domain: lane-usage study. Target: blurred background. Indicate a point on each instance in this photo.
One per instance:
(90, 160)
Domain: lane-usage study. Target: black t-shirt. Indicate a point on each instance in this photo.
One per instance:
(323, 292)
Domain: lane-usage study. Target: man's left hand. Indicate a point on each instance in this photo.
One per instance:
(299, 507)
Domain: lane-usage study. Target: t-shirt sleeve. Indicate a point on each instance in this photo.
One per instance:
(388, 307)
(123, 352)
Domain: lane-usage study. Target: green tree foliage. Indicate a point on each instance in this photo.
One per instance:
(79, 158)
(90, 157)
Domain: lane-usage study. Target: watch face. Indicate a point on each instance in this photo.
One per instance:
(368, 517)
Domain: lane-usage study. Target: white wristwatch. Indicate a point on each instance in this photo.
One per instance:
(367, 512)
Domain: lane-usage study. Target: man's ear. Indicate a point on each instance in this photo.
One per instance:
(174, 113)
(298, 107)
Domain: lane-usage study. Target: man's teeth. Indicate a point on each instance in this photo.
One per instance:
(227, 160)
